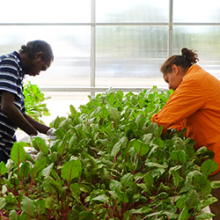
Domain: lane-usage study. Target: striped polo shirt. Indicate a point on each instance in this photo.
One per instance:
(11, 77)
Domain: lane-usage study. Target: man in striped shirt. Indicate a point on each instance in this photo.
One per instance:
(31, 59)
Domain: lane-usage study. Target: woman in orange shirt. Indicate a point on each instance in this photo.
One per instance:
(195, 105)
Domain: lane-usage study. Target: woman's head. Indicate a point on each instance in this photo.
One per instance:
(176, 67)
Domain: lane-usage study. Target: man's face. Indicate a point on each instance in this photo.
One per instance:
(35, 66)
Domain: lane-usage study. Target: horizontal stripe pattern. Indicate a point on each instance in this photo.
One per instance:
(11, 78)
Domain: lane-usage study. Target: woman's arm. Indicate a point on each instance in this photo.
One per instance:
(185, 101)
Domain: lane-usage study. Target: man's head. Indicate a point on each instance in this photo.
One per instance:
(36, 56)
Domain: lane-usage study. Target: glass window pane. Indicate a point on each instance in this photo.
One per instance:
(59, 103)
(115, 11)
(196, 11)
(71, 46)
(49, 11)
(204, 39)
(130, 56)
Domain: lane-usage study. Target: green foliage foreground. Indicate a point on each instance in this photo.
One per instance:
(35, 105)
(109, 162)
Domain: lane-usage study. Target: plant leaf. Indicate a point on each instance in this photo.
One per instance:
(40, 145)
(178, 156)
(2, 203)
(40, 205)
(149, 181)
(192, 199)
(3, 169)
(13, 215)
(86, 216)
(75, 191)
(29, 206)
(71, 170)
(215, 184)
(204, 215)
(184, 215)
(24, 170)
(38, 166)
(208, 201)
(114, 185)
(18, 154)
(114, 113)
(142, 210)
(46, 171)
(140, 147)
(122, 142)
(101, 198)
(209, 166)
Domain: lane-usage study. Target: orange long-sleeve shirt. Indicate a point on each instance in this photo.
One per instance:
(196, 103)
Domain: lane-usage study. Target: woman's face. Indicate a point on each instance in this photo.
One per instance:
(174, 78)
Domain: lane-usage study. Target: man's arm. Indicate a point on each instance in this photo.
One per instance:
(37, 125)
(13, 113)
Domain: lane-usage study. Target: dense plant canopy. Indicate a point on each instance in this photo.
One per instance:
(109, 162)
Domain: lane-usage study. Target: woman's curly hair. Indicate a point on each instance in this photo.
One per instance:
(187, 59)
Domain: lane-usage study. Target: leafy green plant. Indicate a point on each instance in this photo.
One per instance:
(109, 162)
(34, 101)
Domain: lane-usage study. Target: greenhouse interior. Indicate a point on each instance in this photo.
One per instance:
(113, 154)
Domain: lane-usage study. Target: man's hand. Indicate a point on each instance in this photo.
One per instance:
(51, 133)
(38, 135)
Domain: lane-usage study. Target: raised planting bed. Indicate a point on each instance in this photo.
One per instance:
(109, 162)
